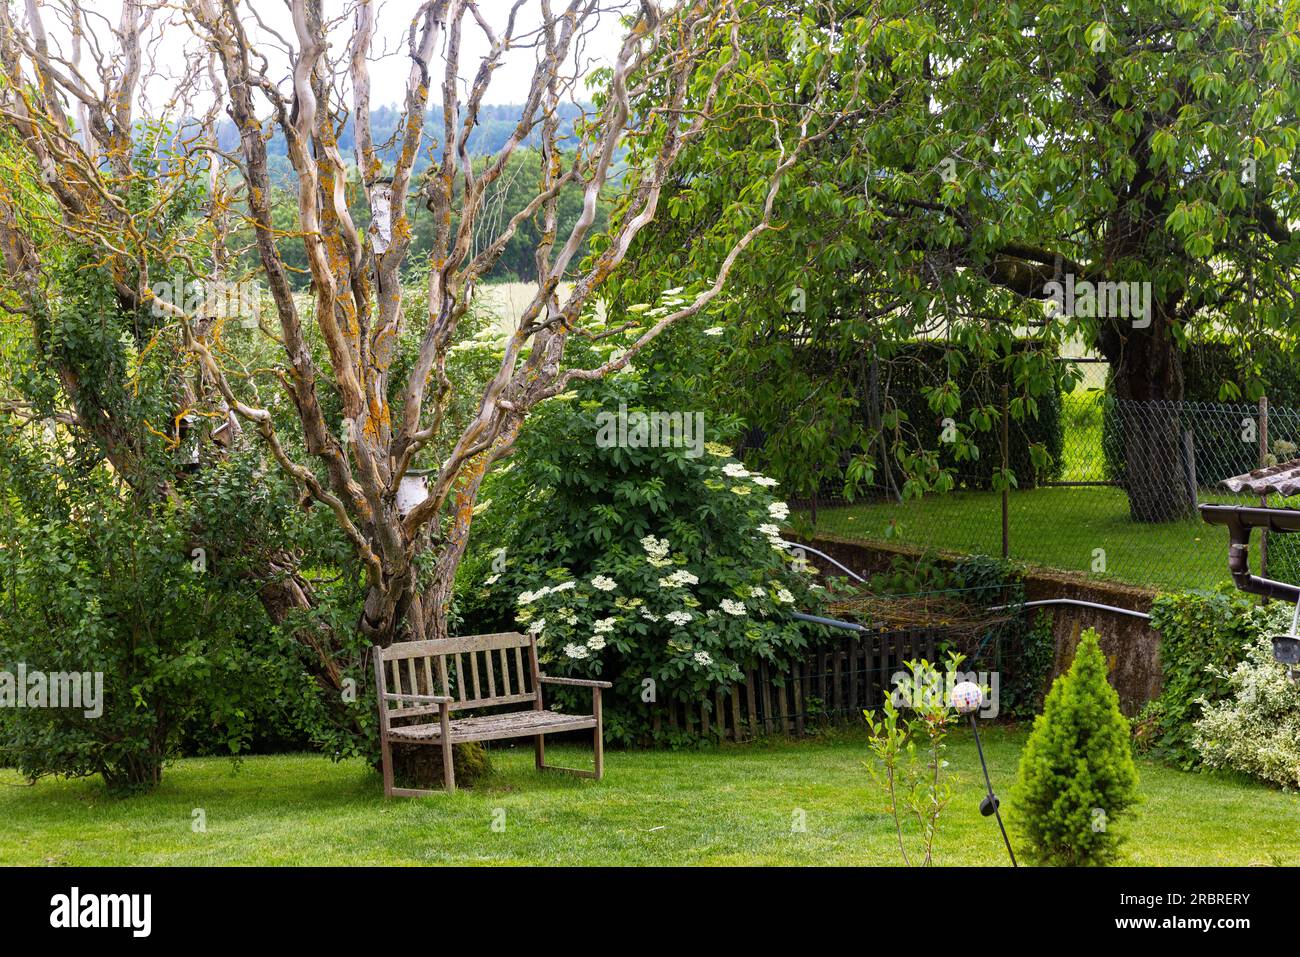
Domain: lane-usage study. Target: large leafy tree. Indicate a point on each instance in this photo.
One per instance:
(998, 148)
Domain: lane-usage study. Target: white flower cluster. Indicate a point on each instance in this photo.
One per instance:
(657, 550)
(528, 597)
(603, 626)
(576, 651)
(678, 618)
(679, 579)
(736, 470)
(733, 607)
(703, 658)
(604, 583)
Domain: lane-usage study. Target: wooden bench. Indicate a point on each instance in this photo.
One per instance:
(419, 679)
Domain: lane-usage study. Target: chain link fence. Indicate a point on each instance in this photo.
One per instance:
(1118, 502)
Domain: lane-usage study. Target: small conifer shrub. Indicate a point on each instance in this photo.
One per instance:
(1076, 773)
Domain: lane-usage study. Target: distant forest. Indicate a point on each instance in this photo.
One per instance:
(513, 191)
(494, 127)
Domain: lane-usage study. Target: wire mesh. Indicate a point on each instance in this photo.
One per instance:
(1118, 502)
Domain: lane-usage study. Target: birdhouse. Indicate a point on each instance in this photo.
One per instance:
(381, 219)
(188, 443)
(1286, 649)
(411, 491)
(226, 433)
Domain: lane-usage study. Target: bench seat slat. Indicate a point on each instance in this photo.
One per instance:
(519, 724)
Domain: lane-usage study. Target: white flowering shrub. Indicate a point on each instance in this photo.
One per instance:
(655, 568)
(1256, 730)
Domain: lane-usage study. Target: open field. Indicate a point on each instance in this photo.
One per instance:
(729, 805)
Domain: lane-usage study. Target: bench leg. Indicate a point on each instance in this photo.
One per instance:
(597, 740)
(599, 734)
(386, 763)
(448, 764)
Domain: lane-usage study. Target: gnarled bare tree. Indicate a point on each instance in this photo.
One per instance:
(79, 131)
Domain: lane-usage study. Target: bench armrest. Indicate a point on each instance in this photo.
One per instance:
(576, 682)
(430, 698)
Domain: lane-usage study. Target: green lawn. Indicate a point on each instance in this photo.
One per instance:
(1053, 527)
(723, 806)
(1081, 420)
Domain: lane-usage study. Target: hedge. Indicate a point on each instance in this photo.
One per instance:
(919, 365)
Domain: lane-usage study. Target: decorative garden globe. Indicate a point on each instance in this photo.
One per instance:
(967, 697)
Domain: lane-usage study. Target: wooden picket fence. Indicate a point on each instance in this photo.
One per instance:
(836, 680)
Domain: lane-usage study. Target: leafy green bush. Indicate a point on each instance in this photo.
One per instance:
(915, 787)
(919, 367)
(115, 591)
(1217, 371)
(1076, 773)
(1202, 638)
(636, 565)
(1256, 730)
(152, 594)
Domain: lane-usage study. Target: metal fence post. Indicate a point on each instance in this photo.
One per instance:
(1006, 529)
(1263, 499)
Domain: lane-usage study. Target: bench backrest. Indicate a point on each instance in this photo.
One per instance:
(477, 671)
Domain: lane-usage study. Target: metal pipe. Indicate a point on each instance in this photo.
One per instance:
(1240, 520)
(1028, 604)
(821, 554)
(829, 622)
(1079, 603)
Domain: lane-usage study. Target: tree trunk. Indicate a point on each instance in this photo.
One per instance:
(396, 613)
(1156, 476)
(1147, 379)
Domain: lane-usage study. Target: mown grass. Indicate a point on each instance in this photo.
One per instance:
(1081, 423)
(719, 806)
(1052, 527)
